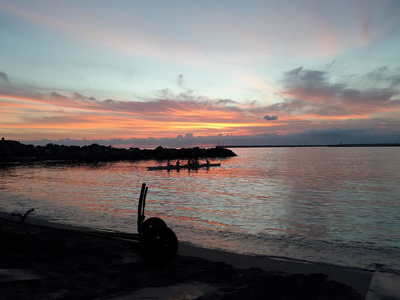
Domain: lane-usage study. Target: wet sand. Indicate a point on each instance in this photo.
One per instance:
(53, 261)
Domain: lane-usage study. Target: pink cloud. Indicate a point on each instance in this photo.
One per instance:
(310, 92)
(74, 114)
(309, 100)
(267, 30)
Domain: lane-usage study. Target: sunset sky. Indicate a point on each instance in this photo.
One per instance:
(185, 73)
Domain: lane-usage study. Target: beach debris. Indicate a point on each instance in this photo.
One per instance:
(23, 217)
(158, 243)
(152, 222)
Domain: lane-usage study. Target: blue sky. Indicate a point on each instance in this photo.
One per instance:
(145, 73)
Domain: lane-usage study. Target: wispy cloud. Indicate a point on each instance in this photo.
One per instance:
(305, 29)
(309, 99)
(165, 115)
(4, 77)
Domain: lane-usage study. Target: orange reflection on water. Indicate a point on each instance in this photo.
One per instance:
(218, 224)
(198, 222)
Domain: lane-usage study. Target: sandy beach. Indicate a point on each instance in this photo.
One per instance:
(42, 260)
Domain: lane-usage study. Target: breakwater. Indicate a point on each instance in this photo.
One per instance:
(15, 151)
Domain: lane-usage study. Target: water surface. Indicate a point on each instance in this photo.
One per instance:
(333, 205)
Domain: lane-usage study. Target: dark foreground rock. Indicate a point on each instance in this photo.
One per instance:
(12, 151)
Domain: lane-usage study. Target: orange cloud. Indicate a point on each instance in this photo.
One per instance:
(76, 115)
(311, 101)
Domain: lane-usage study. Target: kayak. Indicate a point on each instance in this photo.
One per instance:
(175, 167)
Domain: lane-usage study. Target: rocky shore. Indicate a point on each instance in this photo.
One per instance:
(53, 262)
(15, 151)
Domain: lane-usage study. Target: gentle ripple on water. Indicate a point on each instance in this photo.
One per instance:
(336, 205)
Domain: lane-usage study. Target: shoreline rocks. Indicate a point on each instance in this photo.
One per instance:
(15, 151)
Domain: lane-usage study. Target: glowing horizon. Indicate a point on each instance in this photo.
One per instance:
(256, 73)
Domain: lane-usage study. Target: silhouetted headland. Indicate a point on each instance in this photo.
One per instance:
(15, 151)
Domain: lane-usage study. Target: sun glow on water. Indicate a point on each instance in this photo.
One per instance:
(303, 203)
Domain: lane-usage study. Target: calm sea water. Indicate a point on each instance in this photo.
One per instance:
(338, 206)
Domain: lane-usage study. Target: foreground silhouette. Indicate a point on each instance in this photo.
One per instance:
(11, 151)
(158, 244)
(76, 265)
(23, 217)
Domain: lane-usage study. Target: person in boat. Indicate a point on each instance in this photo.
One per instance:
(207, 162)
(168, 163)
(178, 163)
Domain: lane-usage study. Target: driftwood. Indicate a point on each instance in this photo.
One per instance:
(23, 217)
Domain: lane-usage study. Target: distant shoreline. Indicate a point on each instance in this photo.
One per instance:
(15, 151)
(307, 146)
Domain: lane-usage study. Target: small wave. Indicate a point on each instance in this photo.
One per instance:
(355, 256)
(384, 268)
